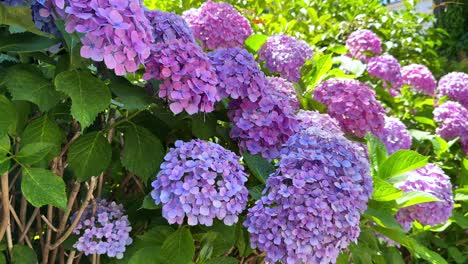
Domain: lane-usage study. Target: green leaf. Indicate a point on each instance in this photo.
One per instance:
(130, 96)
(204, 126)
(225, 238)
(156, 235)
(143, 152)
(259, 166)
(148, 203)
(26, 82)
(222, 260)
(147, 255)
(89, 95)
(89, 155)
(461, 194)
(393, 255)
(23, 254)
(415, 197)
(384, 191)
(178, 248)
(7, 115)
(256, 191)
(425, 120)
(34, 152)
(400, 162)
(322, 64)
(4, 150)
(255, 42)
(456, 255)
(421, 135)
(377, 151)
(42, 187)
(460, 219)
(383, 218)
(19, 16)
(25, 42)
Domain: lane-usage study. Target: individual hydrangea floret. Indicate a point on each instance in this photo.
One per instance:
(201, 181)
(116, 32)
(419, 78)
(325, 122)
(103, 229)
(285, 55)
(395, 135)
(387, 68)
(261, 127)
(363, 44)
(454, 122)
(168, 26)
(353, 104)
(218, 25)
(429, 179)
(310, 209)
(189, 80)
(455, 86)
(238, 73)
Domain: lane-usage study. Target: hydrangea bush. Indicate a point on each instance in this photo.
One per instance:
(185, 134)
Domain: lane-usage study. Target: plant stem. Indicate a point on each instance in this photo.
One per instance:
(6, 205)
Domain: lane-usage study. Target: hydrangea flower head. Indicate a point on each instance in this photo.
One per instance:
(387, 68)
(218, 25)
(453, 120)
(168, 26)
(455, 86)
(285, 55)
(363, 44)
(238, 73)
(430, 179)
(310, 209)
(261, 127)
(395, 135)
(325, 122)
(103, 230)
(419, 78)
(201, 181)
(353, 104)
(116, 32)
(189, 80)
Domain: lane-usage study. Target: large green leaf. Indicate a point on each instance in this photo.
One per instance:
(204, 126)
(23, 255)
(33, 153)
(4, 150)
(89, 155)
(142, 153)
(130, 97)
(19, 16)
(25, 42)
(222, 260)
(259, 166)
(400, 162)
(42, 187)
(178, 248)
(382, 217)
(377, 151)
(89, 95)
(147, 255)
(384, 191)
(255, 42)
(7, 115)
(415, 197)
(26, 82)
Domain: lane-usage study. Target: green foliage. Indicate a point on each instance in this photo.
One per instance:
(23, 255)
(259, 166)
(42, 187)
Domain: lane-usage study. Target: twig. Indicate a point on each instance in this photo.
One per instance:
(110, 136)
(46, 250)
(6, 205)
(13, 181)
(28, 225)
(80, 212)
(71, 257)
(20, 225)
(39, 231)
(9, 238)
(77, 259)
(49, 224)
(22, 218)
(67, 146)
(138, 183)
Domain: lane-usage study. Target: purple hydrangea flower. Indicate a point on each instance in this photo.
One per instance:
(353, 104)
(419, 78)
(13, 2)
(238, 73)
(116, 32)
(218, 25)
(387, 68)
(103, 230)
(325, 122)
(395, 135)
(363, 44)
(201, 181)
(455, 86)
(189, 80)
(454, 122)
(261, 127)
(168, 26)
(310, 209)
(285, 55)
(430, 179)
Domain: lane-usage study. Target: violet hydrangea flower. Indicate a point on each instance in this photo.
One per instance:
(261, 127)
(395, 135)
(455, 86)
(201, 181)
(387, 68)
(419, 78)
(107, 231)
(168, 26)
(353, 104)
(325, 122)
(238, 73)
(218, 25)
(453, 120)
(310, 209)
(189, 80)
(363, 44)
(285, 55)
(430, 179)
